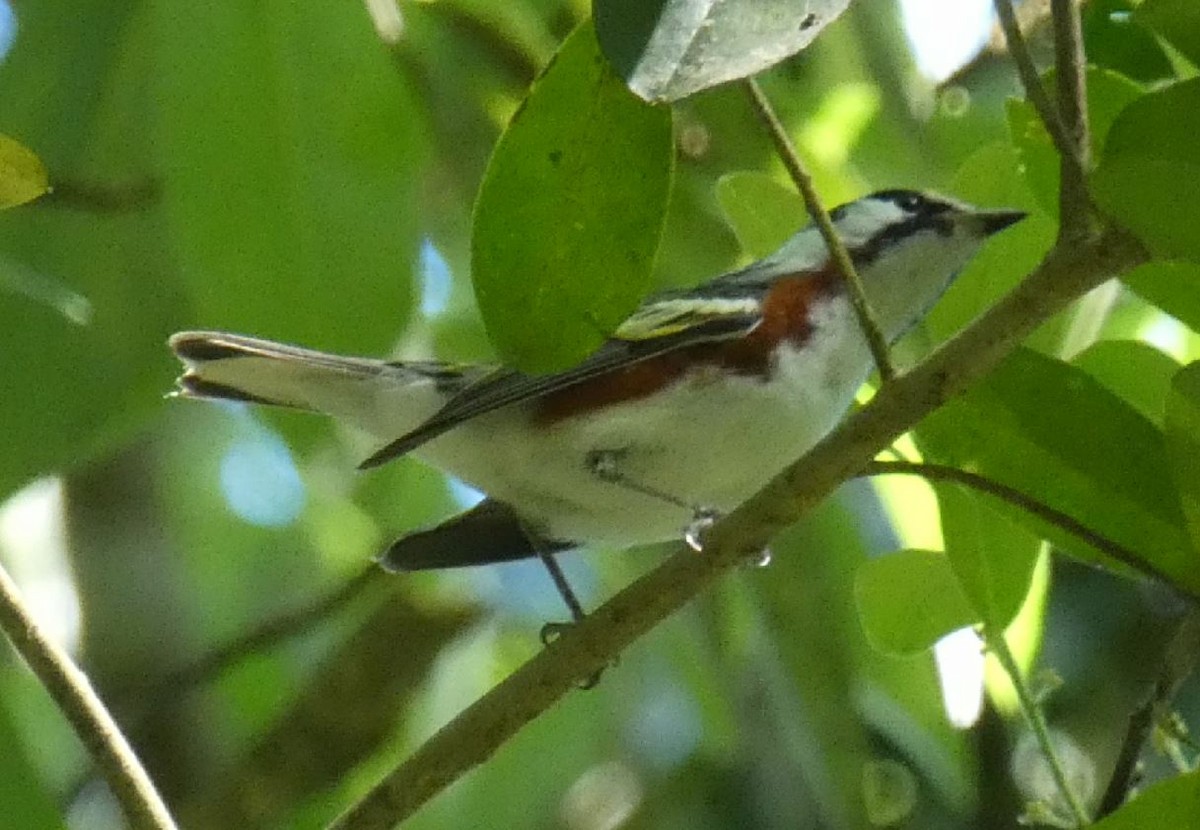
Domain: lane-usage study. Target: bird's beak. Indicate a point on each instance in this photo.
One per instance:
(994, 221)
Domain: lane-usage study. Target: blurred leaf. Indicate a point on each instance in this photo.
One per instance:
(1178, 21)
(510, 27)
(1116, 41)
(1108, 94)
(1167, 805)
(1172, 286)
(1137, 372)
(23, 797)
(83, 362)
(22, 175)
(909, 600)
(570, 212)
(353, 704)
(836, 688)
(992, 558)
(762, 212)
(1149, 175)
(669, 49)
(1183, 443)
(991, 177)
(889, 792)
(807, 600)
(1053, 432)
(289, 145)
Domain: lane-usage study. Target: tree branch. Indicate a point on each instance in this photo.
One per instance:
(471, 738)
(867, 321)
(75, 698)
(1031, 81)
(1178, 664)
(1076, 217)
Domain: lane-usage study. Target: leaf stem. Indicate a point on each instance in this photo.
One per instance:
(867, 320)
(1015, 497)
(994, 638)
(75, 698)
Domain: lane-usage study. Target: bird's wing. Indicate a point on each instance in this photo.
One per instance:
(662, 325)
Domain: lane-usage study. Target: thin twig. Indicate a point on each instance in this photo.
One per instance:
(837, 251)
(942, 472)
(1178, 664)
(996, 643)
(75, 698)
(1076, 217)
(1035, 92)
(475, 734)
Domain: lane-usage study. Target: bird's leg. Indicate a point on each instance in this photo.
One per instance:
(606, 466)
(564, 590)
(551, 630)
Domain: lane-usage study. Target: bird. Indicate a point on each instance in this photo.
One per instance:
(693, 403)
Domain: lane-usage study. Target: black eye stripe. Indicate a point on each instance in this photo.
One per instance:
(870, 250)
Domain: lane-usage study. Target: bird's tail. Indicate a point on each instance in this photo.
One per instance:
(382, 398)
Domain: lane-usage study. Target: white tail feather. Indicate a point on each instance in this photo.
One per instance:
(383, 399)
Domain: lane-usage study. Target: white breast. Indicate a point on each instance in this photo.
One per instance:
(710, 439)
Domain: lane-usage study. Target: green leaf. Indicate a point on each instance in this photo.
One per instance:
(1116, 40)
(993, 558)
(26, 800)
(669, 49)
(1178, 21)
(762, 212)
(1108, 94)
(22, 175)
(1149, 176)
(991, 176)
(1056, 434)
(570, 211)
(289, 147)
(1137, 372)
(1172, 286)
(1168, 805)
(910, 599)
(88, 290)
(1183, 443)
(1155, 199)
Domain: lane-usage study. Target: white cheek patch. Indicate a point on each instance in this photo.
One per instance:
(866, 218)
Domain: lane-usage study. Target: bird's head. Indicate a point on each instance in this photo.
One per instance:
(906, 245)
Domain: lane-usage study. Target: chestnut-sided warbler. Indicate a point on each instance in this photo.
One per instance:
(694, 403)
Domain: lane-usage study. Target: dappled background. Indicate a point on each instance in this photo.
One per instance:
(306, 172)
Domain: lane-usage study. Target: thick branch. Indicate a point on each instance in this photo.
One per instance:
(867, 321)
(73, 695)
(472, 737)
